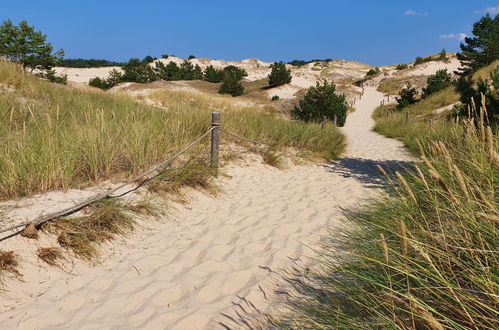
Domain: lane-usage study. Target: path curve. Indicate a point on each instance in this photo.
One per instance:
(202, 266)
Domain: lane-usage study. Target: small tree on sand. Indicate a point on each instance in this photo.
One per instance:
(279, 74)
(322, 101)
(407, 97)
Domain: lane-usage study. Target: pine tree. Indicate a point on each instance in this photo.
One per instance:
(437, 82)
(279, 74)
(483, 48)
(407, 97)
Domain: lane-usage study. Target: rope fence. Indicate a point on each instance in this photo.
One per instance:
(141, 179)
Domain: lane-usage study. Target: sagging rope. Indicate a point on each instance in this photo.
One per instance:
(156, 169)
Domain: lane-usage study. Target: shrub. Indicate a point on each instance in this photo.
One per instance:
(190, 72)
(149, 59)
(437, 82)
(213, 75)
(234, 71)
(165, 56)
(321, 101)
(168, 72)
(191, 57)
(275, 98)
(407, 97)
(372, 72)
(297, 62)
(52, 77)
(401, 66)
(138, 71)
(442, 56)
(231, 85)
(114, 78)
(421, 60)
(279, 74)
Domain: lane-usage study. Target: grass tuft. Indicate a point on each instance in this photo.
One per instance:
(9, 262)
(50, 255)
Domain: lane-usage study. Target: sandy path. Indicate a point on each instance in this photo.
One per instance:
(199, 268)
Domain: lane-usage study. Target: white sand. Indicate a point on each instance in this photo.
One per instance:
(190, 270)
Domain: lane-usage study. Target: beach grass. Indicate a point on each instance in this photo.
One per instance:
(58, 137)
(425, 256)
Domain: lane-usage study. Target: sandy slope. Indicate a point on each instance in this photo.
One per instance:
(198, 268)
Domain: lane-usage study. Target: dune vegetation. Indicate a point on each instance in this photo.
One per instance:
(56, 137)
(425, 256)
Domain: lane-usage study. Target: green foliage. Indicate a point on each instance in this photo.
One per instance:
(275, 98)
(472, 93)
(373, 72)
(114, 78)
(168, 72)
(407, 97)
(149, 59)
(421, 60)
(279, 75)
(401, 66)
(482, 49)
(21, 43)
(87, 63)
(51, 76)
(138, 71)
(442, 56)
(191, 57)
(437, 82)
(235, 72)
(321, 101)
(190, 72)
(165, 56)
(298, 62)
(231, 85)
(213, 75)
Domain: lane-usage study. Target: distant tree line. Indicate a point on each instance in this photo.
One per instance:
(87, 63)
(302, 62)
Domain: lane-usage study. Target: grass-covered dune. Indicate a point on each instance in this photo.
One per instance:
(55, 136)
(426, 256)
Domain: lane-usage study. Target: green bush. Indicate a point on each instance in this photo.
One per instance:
(437, 82)
(191, 57)
(421, 60)
(275, 98)
(138, 71)
(407, 97)
(321, 101)
(213, 75)
(401, 66)
(114, 78)
(168, 72)
(442, 56)
(190, 72)
(372, 72)
(231, 85)
(52, 77)
(279, 74)
(235, 72)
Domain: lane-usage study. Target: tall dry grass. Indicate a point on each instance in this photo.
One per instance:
(57, 137)
(426, 256)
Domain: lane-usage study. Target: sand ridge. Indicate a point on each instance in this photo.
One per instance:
(205, 263)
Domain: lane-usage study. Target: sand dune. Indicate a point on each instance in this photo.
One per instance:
(207, 262)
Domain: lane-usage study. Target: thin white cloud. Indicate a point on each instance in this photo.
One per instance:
(458, 36)
(489, 10)
(411, 12)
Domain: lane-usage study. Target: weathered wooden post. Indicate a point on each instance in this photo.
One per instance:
(215, 140)
(430, 123)
(406, 117)
(335, 120)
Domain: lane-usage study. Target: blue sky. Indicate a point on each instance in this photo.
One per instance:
(374, 32)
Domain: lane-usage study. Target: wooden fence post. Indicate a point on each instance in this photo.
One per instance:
(335, 120)
(407, 117)
(215, 140)
(430, 122)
